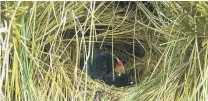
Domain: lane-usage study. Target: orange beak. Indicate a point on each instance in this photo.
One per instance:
(119, 67)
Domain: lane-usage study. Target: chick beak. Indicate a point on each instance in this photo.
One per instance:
(119, 67)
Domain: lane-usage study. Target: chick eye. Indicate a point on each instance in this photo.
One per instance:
(115, 59)
(131, 83)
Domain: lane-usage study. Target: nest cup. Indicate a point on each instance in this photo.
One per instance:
(123, 49)
(120, 38)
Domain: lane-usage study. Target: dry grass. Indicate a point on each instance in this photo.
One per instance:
(42, 44)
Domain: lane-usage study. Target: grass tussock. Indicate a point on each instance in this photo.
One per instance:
(43, 44)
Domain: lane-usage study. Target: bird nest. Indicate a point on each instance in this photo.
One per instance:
(71, 55)
(120, 38)
(70, 62)
(162, 43)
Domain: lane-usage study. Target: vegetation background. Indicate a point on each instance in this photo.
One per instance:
(42, 42)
